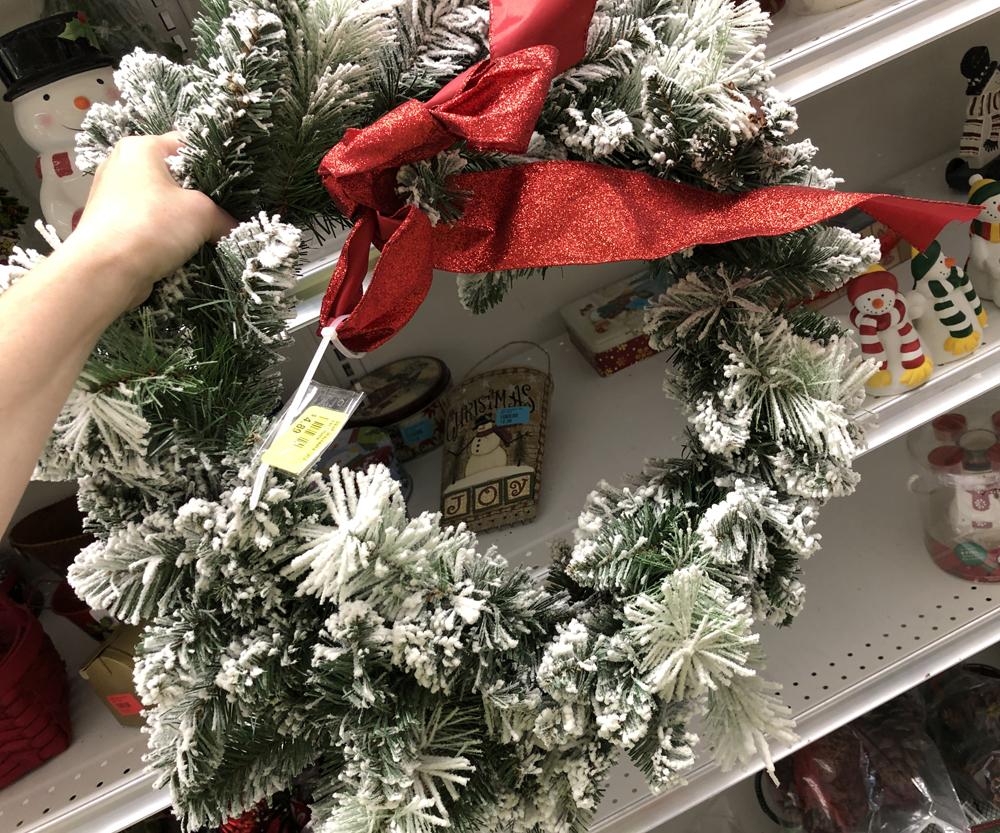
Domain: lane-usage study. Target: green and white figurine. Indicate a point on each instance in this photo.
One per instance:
(945, 308)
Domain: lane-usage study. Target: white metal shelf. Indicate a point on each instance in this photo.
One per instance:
(811, 53)
(97, 785)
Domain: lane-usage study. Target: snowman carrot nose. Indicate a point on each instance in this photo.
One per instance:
(81, 102)
(949, 262)
(877, 303)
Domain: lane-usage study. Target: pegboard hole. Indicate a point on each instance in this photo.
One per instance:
(825, 687)
(127, 771)
(100, 783)
(72, 798)
(881, 657)
(806, 697)
(843, 676)
(902, 626)
(45, 810)
(934, 627)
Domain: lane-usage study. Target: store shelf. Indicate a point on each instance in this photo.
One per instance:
(879, 618)
(97, 785)
(811, 53)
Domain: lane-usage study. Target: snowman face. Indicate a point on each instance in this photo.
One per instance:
(991, 210)
(876, 302)
(50, 117)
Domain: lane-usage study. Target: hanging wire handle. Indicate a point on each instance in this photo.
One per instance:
(548, 358)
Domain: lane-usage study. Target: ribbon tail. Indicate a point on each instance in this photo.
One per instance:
(399, 284)
(917, 221)
(559, 212)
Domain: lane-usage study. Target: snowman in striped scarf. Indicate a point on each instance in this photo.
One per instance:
(887, 336)
(983, 265)
(946, 310)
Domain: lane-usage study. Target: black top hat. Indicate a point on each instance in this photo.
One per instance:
(485, 419)
(978, 68)
(47, 50)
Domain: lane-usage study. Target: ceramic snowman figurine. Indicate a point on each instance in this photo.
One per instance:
(983, 266)
(487, 450)
(944, 307)
(53, 71)
(981, 132)
(886, 333)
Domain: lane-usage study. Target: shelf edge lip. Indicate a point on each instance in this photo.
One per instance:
(708, 780)
(858, 48)
(109, 812)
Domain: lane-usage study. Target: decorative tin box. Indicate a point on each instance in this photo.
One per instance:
(606, 326)
(494, 443)
(404, 398)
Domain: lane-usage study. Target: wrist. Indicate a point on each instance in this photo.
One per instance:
(96, 278)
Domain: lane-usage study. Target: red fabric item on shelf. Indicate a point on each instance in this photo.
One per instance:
(540, 214)
(34, 694)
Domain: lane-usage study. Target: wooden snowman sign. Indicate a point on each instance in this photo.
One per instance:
(886, 333)
(54, 71)
(983, 266)
(947, 312)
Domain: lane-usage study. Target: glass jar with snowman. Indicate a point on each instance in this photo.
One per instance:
(54, 70)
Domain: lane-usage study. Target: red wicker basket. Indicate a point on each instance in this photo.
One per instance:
(34, 694)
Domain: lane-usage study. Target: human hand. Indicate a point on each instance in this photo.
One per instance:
(138, 216)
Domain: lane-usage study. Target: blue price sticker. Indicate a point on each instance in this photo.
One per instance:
(418, 432)
(513, 416)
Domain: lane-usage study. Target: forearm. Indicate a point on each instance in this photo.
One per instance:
(49, 323)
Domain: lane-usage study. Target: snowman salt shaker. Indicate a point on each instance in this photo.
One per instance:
(886, 333)
(944, 306)
(54, 70)
(983, 266)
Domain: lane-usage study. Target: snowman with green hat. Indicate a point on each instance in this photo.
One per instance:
(946, 310)
(983, 265)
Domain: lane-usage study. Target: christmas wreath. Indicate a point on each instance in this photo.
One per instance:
(423, 683)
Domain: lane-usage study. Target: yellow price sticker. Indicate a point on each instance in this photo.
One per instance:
(299, 444)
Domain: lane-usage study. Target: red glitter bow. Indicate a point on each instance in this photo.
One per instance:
(540, 214)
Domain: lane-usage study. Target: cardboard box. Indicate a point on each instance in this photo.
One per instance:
(606, 326)
(109, 672)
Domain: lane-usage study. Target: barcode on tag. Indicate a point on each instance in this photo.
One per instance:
(304, 440)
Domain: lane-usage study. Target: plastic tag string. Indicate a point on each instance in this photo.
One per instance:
(328, 337)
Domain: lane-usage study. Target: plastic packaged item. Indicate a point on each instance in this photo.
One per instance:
(880, 773)
(406, 399)
(957, 457)
(963, 717)
(359, 448)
